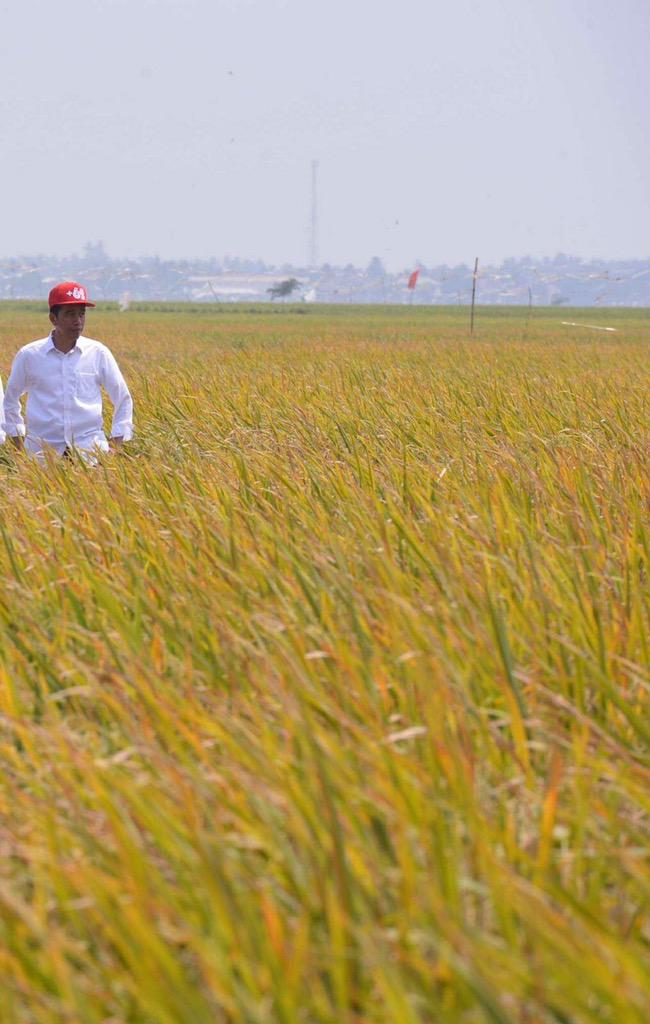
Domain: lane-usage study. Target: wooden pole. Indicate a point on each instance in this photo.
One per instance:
(530, 310)
(474, 276)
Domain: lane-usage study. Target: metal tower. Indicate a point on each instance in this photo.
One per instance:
(313, 240)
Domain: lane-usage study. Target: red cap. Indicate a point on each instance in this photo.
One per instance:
(69, 293)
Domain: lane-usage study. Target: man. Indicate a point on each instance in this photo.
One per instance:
(62, 376)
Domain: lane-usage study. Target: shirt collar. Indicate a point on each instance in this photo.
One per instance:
(80, 343)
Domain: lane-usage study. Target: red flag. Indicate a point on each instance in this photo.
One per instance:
(413, 279)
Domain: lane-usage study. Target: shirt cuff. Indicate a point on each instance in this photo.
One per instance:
(123, 430)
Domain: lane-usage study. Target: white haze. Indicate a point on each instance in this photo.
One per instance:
(442, 130)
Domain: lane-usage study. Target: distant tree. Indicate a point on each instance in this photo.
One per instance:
(375, 268)
(283, 289)
(95, 254)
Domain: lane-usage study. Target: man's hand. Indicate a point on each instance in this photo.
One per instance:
(116, 443)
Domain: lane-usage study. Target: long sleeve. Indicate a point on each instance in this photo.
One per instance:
(2, 417)
(119, 395)
(14, 424)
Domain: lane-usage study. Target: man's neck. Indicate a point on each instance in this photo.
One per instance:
(61, 343)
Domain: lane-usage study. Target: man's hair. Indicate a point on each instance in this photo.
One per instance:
(57, 309)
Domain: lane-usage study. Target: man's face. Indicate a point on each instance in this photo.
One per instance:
(70, 321)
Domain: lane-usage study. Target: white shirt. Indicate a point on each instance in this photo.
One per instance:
(2, 433)
(64, 400)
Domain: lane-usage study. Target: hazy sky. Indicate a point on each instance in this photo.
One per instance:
(443, 130)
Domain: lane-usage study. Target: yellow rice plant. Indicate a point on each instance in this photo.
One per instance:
(327, 702)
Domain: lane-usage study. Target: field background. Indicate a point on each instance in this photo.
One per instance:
(328, 700)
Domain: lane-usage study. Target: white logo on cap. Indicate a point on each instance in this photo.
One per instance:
(77, 293)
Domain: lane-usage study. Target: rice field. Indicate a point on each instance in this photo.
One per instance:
(327, 702)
